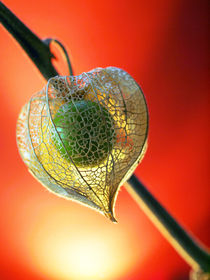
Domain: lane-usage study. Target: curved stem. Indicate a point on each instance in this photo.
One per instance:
(66, 55)
(40, 54)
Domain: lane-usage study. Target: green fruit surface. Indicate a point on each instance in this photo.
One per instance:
(86, 131)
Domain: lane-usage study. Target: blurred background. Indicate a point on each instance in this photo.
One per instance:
(163, 45)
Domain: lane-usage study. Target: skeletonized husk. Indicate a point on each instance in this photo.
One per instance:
(95, 186)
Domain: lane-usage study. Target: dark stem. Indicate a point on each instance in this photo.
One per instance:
(37, 50)
(40, 54)
(185, 244)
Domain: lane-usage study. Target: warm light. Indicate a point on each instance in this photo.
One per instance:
(89, 258)
(84, 247)
(84, 258)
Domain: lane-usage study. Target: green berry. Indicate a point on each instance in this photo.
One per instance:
(86, 131)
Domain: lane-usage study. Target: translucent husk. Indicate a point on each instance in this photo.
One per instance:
(95, 186)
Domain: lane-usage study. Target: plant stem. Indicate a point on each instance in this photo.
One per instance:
(39, 52)
(186, 245)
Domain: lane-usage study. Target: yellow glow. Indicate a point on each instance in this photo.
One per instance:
(83, 259)
(87, 258)
(84, 247)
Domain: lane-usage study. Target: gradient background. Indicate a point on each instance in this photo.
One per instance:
(163, 45)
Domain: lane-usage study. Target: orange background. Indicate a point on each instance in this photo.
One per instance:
(163, 45)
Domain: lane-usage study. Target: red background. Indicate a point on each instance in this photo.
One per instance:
(163, 45)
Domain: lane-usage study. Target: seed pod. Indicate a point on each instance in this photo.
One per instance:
(83, 136)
